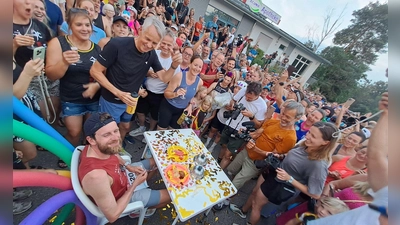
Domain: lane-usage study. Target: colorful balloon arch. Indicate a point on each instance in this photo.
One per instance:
(42, 134)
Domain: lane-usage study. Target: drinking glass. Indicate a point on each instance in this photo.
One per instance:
(183, 96)
(73, 48)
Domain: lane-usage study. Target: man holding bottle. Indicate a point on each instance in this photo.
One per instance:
(125, 63)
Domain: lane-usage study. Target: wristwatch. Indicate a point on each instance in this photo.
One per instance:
(290, 180)
(252, 118)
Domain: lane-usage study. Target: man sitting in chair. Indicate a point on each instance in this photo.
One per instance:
(102, 171)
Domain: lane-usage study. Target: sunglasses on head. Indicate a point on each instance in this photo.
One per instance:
(78, 10)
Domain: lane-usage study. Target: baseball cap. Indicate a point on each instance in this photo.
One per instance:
(241, 84)
(126, 15)
(120, 18)
(366, 132)
(174, 27)
(95, 122)
(182, 25)
(132, 9)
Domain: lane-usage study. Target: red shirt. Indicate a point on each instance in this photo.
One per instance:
(198, 26)
(206, 70)
(110, 165)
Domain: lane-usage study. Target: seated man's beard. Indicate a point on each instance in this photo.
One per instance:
(105, 149)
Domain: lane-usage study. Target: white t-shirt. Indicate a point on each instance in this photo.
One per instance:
(231, 37)
(155, 85)
(257, 107)
(57, 2)
(359, 216)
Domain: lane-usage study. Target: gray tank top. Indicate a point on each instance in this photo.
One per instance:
(191, 91)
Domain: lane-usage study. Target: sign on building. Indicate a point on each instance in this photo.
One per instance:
(258, 7)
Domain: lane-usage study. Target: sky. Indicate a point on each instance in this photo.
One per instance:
(297, 16)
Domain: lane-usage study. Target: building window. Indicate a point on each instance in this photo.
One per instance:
(223, 18)
(301, 64)
(282, 47)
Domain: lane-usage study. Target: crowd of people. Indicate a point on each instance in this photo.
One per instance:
(151, 64)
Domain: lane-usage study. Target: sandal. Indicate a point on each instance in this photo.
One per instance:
(38, 167)
(61, 164)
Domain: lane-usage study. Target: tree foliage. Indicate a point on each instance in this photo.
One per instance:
(368, 34)
(367, 96)
(336, 81)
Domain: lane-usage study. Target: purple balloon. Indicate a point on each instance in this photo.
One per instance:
(45, 210)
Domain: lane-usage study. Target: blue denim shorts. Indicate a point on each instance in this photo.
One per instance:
(117, 111)
(76, 109)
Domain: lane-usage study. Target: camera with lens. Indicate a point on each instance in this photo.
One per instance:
(245, 135)
(237, 108)
(272, 162)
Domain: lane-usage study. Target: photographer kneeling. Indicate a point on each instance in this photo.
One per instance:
(246, 106)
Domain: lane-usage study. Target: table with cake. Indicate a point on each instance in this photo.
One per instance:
(174, 152)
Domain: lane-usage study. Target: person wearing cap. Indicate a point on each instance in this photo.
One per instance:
(118, 29)
(133, 22)
(119, 77)
(103, 173)
(97, 33)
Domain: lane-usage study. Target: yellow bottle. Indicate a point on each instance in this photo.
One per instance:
(131, 109)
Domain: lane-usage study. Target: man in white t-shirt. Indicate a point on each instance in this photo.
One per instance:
(155, 86)
(377, 151)
(231, 36)
(255, 109)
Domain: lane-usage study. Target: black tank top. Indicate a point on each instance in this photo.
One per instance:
(98, 22)
(71, 84)
(220, 89)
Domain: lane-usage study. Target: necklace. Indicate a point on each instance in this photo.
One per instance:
(29, 27)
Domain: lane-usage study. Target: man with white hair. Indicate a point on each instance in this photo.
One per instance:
(120, 77)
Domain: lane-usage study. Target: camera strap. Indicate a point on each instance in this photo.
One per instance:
(240, 119)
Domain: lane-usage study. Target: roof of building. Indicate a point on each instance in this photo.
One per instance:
(262, 19)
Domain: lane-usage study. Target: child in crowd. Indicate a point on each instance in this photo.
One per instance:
(325, 206)
(200, 115)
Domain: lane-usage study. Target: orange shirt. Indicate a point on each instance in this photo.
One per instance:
(199, 26)
(341, 167)
(273, 138)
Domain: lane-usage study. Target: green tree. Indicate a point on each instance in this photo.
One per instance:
(336, 81)
(367, 96)
(368, 34)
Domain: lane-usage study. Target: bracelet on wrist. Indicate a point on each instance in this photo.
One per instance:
(173, 67)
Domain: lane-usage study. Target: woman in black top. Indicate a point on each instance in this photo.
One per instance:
(222, 35)
(98, 20)
(78, 91)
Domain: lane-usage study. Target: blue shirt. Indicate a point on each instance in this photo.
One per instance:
(300, 134)
(210, 25)
(96, 36)
(277, 109)
(253, 52)
(55, 16)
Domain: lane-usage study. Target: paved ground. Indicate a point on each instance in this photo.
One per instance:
(162, 216)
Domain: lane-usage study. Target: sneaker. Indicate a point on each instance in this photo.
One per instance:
(22, 194)
(221, 205)
(237, 210)
(21, 207)
(129, 139)
(138, 131)
(149, 212)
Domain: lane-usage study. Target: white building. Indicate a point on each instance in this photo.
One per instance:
(270, 37)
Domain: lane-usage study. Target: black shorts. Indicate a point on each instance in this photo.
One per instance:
(169, 116)
(150, 104)
(276, 192)
(215, 123)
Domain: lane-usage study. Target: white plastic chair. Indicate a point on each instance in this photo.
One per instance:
(101, 219)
